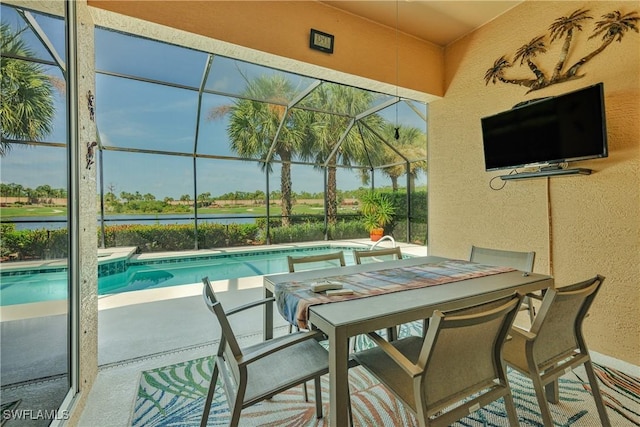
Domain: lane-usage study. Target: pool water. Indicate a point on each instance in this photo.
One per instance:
(45, 285)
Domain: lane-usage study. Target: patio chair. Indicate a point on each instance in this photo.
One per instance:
(501, 258)
(456, 369)
(394, 253)
(334, 257)
(324, 258)
(258, 372)
(555, 344)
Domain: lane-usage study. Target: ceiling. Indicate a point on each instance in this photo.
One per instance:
(439, 22)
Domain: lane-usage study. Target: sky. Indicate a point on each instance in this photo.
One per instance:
(141, 115)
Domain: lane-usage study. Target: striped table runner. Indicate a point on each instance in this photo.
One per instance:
(294, 298)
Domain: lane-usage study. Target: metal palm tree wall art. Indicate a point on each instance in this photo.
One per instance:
(611, 27)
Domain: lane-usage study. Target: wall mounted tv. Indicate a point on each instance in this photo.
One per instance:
(547, 132)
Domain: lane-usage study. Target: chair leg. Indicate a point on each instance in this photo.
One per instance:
(425, 326)
(350, 414)
(235, 415)
(304, 385)
(511, 410)
(552, 390)
(392, 334)
(532, 309)
(209, 399)
(547, 420)
(316, 383)
(595, 390)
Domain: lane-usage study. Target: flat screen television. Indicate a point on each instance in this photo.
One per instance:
(547, 132)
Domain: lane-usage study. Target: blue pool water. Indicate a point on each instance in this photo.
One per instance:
(45, 285)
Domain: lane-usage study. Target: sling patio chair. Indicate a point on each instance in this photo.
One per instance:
(456, 369)
(380, 255)
(503, 258)
(310, 262)
(554, 344)
(330, 258)
(260, 371)
(377, 254)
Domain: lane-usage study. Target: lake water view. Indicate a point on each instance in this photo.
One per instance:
(57, 222)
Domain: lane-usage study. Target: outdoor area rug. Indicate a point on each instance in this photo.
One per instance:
(174, 396)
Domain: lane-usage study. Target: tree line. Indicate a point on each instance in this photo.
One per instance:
(48, 192)
(40, 192)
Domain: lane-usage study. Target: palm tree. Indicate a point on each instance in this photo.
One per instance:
(253, 126)
(17, 190)
(562, 25)
(613, 26)
(496, 73)
(27, 108)
(326, 130)
(412, 144)
(529, 51)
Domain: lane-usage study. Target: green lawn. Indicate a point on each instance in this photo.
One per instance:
(13, 211)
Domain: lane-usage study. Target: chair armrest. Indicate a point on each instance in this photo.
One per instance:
(249, 305)
(410, 368)
(515, 330)
(272, 347)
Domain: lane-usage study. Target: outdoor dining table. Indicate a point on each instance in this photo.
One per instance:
(426, 289)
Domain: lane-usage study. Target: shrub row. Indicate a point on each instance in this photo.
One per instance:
(50, 244)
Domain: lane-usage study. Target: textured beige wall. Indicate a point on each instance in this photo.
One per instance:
(579, 226)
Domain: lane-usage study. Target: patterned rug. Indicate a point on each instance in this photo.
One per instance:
(174, 396)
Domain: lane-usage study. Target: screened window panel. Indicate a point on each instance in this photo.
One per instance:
(412, 141)
(215, 175)
(381, 179)
(19, 164)
(340, 99)
(27, 43)
(52, 30)
(307, 179)
(58, 126)
(126, 54)
(144, 175)
(233, 77)
(139, 115)
(213, 136)
(34, 183)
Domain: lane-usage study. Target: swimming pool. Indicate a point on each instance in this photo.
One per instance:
(135, 274)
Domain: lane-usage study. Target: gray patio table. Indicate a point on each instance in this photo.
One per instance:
(344, 319)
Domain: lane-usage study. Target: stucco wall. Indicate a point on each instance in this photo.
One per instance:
(579, 226)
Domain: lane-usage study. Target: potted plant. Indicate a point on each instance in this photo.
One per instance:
(377, 211)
